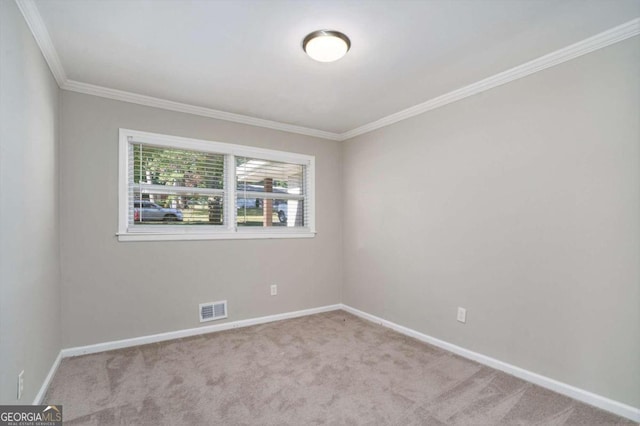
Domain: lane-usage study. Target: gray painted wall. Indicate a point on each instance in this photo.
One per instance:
(115, 290)
(520, 204)
(29, 261)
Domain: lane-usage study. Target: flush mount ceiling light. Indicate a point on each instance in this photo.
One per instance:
(326, 45)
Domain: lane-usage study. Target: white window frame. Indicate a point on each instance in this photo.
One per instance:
(230, 230)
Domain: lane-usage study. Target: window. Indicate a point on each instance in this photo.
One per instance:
(174, 188)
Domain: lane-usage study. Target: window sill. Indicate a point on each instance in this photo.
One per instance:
(140, 236)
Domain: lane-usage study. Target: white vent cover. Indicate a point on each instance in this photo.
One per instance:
(213, 311)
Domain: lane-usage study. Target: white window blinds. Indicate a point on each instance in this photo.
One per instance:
(170, 186)
(270, 193)
(173, 187)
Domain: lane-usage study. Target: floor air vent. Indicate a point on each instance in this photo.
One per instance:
(213, 311)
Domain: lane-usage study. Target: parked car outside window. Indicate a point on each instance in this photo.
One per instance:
(244, 189)
(147, 211)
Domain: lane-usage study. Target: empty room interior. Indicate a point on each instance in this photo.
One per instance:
(309, 212)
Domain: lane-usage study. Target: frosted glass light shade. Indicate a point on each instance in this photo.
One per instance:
(326, 45)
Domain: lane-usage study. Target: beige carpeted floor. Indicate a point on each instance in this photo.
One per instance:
(330, 368)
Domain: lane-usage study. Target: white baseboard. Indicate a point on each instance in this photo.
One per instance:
(47, 380)
(154, 338)
(582, 395)
(587, 397)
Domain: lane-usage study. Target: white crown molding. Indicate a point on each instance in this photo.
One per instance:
(38, 28)
(604, 39)
(582, 395)
(121, 95)
(36, 25)
(43, 39)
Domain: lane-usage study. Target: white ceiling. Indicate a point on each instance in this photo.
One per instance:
(245, 57)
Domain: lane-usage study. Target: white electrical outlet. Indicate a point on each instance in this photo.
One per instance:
(462, 315)
(274, 290)
(20, 384)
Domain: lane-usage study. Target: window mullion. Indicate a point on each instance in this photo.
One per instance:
(230, 192)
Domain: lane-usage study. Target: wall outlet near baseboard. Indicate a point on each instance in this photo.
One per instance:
(274, 289)
(462, 315)
(20, 384)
